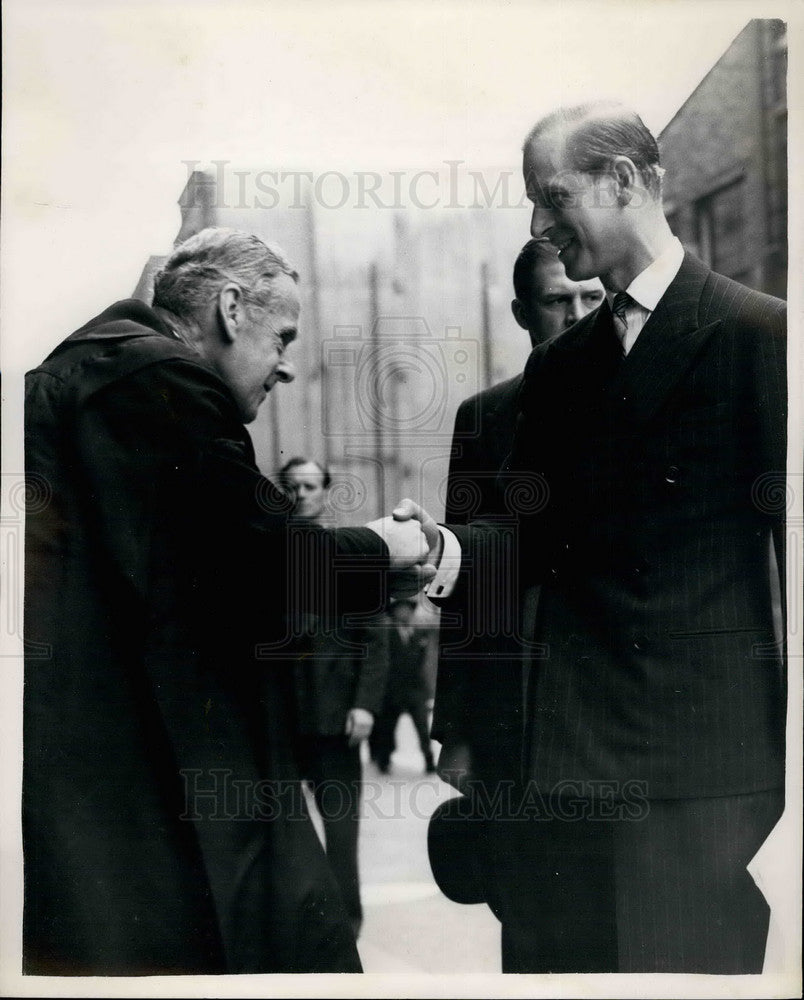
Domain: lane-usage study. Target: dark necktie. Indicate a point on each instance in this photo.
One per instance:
(608, 354)
(622, 300)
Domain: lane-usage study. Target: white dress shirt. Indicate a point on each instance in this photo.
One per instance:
(646, 289)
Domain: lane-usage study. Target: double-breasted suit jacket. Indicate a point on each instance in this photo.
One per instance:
(660, 476)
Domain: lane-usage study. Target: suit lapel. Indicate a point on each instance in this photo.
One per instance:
(574, 381)
(667, 345)
(579, 361)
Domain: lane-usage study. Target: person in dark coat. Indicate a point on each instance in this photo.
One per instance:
(163, 831)
(407, 691)
(340, 673)
(478, 713)
(655, 723)
(478, 705)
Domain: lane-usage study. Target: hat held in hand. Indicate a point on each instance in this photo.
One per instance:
(456, 846)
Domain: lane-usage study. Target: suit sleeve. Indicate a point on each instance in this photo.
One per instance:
(502, 549)
(452, 685)
(485, 600)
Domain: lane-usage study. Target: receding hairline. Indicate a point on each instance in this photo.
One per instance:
(569, 119)
(297, 466)
(593, 135)
(297, 461)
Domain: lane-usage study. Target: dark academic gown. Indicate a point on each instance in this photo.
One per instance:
(162, 827)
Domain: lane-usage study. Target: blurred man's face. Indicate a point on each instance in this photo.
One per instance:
(403, 613)
(256, 361)
(307, 483)
(578, 212)
(555, 302)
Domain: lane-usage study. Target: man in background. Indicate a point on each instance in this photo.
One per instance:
(340, 674)
(407, 691)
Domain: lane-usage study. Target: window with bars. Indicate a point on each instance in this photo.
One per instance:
(720, 229)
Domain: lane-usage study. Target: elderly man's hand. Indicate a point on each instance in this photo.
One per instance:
(407, 544)
(408, 510)
(408, 535)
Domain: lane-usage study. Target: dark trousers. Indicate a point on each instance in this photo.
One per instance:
(333, 770)
(665, 892)
(383, 740)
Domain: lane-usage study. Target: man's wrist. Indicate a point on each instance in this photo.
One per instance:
(449, 564)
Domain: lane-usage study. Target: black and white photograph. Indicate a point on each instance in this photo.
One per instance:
(401, 504)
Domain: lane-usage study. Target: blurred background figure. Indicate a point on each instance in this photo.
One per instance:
(409, 687)
(339, 680)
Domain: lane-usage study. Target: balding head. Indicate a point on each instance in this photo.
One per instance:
(592, 172)
(594, 134)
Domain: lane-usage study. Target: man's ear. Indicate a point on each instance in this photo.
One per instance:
(230, 311)
(626, 177)
(519, 313)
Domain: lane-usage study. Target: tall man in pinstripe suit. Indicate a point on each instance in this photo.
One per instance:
(655, 713)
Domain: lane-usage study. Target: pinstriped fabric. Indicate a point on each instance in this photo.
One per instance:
(684, 900)
(660, 670)
(657, 597)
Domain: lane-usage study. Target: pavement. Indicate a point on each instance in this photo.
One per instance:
(408, 925)
(410, 928)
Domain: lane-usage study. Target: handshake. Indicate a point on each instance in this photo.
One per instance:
(414, 545)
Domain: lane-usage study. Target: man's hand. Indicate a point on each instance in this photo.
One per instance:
(411, 545)
(408, 547)
(359, 724)
(407, 543)
(407, 510)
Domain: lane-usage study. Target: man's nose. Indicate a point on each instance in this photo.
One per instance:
(574, 311)
(285, 371)
(540, 221)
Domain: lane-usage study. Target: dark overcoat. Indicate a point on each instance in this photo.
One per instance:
(336, 670)
(163, 830)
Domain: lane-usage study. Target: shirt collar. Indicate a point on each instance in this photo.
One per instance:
(650, 285)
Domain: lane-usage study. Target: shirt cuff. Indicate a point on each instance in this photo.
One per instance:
(443, 583)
